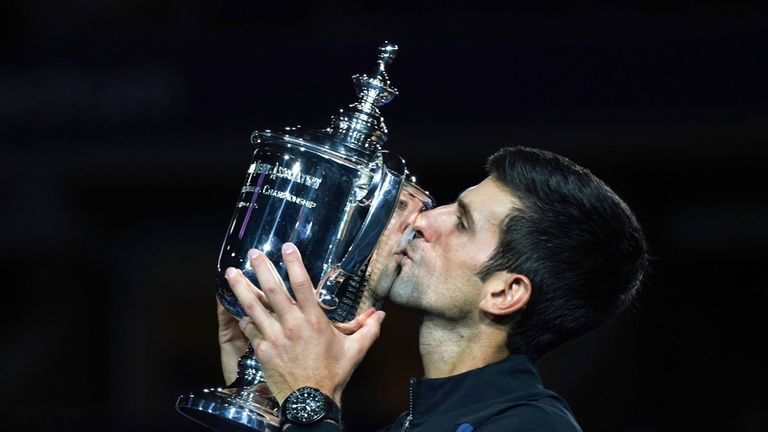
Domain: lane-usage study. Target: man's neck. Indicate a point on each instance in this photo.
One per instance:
(450, 348)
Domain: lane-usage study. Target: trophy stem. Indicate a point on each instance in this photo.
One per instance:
(245, 405)
(249, 371)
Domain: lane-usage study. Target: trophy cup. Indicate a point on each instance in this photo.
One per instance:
(346, 205)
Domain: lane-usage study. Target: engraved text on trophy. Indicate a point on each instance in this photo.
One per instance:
(272, 172)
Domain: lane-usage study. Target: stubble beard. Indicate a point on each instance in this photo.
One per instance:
(404, 291)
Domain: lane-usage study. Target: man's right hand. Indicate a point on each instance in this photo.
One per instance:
(233, 343)
(297, 345)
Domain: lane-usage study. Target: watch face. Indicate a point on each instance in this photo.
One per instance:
(305, 405)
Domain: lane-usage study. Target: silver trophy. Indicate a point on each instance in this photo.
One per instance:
(344, 202)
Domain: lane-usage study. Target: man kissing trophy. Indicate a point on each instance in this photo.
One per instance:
(344, 202)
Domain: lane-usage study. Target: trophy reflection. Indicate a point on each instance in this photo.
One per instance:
(346, 205)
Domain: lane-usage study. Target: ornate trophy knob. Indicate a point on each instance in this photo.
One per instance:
(361, 123)
(331, 193)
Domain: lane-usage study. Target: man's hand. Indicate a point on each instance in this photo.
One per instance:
(297, 345)
(232, 343)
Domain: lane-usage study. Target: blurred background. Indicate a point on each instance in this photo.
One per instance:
(125, 139)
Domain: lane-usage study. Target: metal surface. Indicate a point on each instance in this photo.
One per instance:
(230, 409)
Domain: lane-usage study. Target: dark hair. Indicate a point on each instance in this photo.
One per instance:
(574, 238)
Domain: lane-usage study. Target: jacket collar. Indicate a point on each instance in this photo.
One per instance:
(516, 374)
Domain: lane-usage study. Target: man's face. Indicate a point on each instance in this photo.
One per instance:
(384, 265)
(439, 267)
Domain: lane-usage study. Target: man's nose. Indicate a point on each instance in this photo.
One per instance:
(425, 225)
(419, 225)
(409, 218)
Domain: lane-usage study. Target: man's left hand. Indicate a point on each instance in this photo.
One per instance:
(295, 343)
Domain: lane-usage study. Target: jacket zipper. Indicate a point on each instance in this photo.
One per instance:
(411, 390)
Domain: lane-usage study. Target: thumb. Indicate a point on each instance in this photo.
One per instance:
(370, 331)
(356, 324)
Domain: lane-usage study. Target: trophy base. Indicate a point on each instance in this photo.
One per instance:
(231, 409)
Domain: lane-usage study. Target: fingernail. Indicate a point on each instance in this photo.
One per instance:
(253, 253)
(242, 324)
(230, 273)
(289, 248)
(383, 315)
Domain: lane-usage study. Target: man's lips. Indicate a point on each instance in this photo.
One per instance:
(402, 255)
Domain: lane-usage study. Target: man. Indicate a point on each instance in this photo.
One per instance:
(537, 254)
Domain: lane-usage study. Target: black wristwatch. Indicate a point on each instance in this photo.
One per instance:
(308, 405)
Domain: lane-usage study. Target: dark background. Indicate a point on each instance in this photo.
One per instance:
(124, 128)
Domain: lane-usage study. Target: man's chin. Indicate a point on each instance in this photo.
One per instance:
(381, 281)
(400, 291)
(382, 291)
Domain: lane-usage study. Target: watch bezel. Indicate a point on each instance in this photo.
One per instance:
(302, 394)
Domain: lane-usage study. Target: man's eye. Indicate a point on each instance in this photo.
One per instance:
(460, 223)
(402, 205)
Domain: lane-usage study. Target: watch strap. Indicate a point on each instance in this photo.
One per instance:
(323, 426)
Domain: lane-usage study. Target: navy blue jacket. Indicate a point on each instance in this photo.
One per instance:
(503, 396)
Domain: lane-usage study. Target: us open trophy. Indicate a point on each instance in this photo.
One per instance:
(344, 202)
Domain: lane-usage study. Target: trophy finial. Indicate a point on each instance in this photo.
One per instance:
(387, 53)
(360, 125)
(387, 49)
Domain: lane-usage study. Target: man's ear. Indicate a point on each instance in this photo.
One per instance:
(505, 293)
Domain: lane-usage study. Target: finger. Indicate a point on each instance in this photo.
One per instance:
(356, 324)
(275, 275)
(225, 318)
(370, 331)
(256, 292)
(250, 330)
(301, 284)
(223, 313)
(271, 284)
(250, 303)
(260, 295)
(250, 293)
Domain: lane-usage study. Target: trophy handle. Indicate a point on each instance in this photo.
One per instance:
(381, 207)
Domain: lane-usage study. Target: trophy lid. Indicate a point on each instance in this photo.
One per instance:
(357, 131)
(361, 125)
